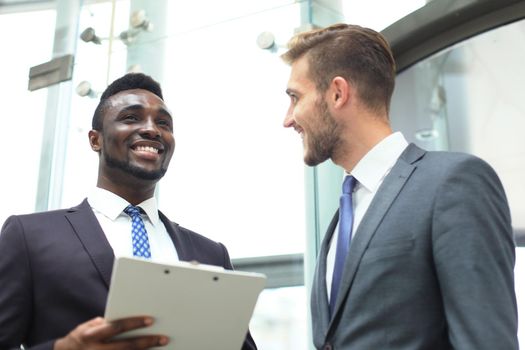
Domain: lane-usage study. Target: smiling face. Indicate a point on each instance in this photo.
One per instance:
(309, 115)
(136, 141)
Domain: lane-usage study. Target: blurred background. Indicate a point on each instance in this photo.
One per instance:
(237, 175)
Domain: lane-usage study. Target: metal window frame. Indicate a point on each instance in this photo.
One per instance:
(443, 23)
(281, 270)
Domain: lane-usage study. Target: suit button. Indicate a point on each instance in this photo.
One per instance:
(327, 346)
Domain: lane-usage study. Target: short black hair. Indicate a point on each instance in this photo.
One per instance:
(127, 82)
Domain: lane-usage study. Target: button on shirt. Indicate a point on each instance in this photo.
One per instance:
(108, 209)
(369, 173)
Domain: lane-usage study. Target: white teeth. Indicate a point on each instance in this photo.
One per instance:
(147, 149)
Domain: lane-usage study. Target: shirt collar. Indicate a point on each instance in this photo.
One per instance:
(376, 164)
(112, 205)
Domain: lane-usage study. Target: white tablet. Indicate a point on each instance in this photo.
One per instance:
(197, 306)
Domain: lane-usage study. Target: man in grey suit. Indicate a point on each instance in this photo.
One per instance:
(431, 253)
(55, 266)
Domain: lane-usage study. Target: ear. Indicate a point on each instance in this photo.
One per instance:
(95, 140)
(339, 91)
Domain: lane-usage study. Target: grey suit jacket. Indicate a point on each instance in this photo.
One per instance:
(430, 265)
(55, 271)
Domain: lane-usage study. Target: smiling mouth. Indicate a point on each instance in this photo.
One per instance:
(300, 131)
(148, 149)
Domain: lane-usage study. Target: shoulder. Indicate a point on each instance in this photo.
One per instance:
(184, 233)
(191, 245)
(462, 175)
(40, 220)
(415, 154)
(447, 173)
(445, 162)
(196, 237)
(451, 157)
(458, 164)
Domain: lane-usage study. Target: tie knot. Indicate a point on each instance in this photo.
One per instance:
(348, 184)
(132, 211)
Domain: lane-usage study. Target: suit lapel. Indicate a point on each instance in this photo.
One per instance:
(89, 232)
(379, 206)
(183, 250)
(320, 307)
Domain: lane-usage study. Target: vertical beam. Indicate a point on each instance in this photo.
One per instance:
(147, 51)
(320, 13)
(327, 12)
(56, 125)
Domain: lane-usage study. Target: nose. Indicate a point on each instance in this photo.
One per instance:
(149, 129)
(289, 119)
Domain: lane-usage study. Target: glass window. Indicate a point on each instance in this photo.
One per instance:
(236, 175)
(279, 321)
(468, 98)
(186, 16)
(23, 111)
(378, 14)
(96, 65)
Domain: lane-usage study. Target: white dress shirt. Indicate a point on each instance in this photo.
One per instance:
(369, 172)
(109, 211)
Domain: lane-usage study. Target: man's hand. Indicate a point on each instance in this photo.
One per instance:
(97, 333)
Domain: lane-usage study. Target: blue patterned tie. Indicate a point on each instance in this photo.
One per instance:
(139, 235)
(346, 218)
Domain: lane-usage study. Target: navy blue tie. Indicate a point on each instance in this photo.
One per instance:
(139, 236)
(346, 219)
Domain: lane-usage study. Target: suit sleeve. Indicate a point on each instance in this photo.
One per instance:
(16, 292)
(15, 279)
(474, 255)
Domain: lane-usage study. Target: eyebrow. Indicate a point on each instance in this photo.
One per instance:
(292, 91)
(138, 107)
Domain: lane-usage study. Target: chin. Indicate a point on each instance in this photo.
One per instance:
(310, 161)
(149, 175)
(313, 159)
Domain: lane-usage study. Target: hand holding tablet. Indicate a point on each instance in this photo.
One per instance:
(196, 306)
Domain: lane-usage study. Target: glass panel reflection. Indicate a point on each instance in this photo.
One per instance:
(279, 320)
(469, 98)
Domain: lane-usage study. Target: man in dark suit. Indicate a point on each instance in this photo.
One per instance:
(429, 252)
(55, 267)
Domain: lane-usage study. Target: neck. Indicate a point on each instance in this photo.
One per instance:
(358, 138)
(135, 192)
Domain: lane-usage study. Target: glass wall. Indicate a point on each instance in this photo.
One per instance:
(378, 14)
(23, 112)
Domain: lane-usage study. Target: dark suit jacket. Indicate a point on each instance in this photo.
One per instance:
(55, 270)
(430, 265)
